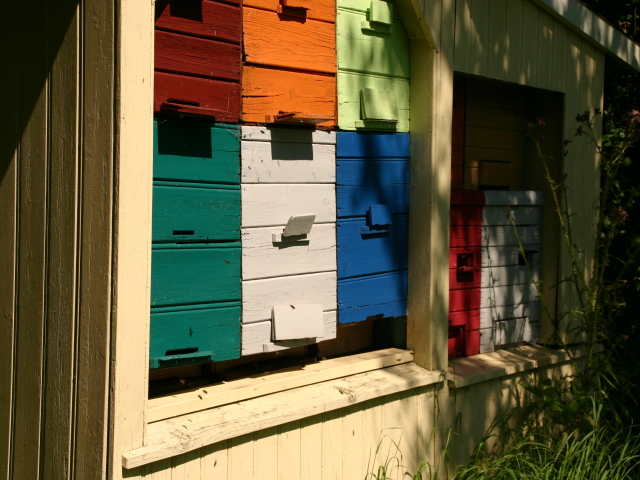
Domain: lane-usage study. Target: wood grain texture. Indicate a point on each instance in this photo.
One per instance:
(362, 297)
(189, 274)
(212, 331)
(268, 92)
(360, 254)
(368, 51)
(259, 296)
(350, 86)
(190, 212)
(215, 98)
(265, 205)
(209, 19)
(257, 337)
(272, 382)
(288, 162)
(311, 448)
(196, 151)
(261, 258)
(324, 10)
(179, 53)
(277, 40)
(362, 183)
(270, 133)
(265, 454)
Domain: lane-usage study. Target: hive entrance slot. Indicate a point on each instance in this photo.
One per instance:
(181, 351)
(184, 232)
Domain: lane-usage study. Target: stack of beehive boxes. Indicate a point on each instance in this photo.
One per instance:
(255, 247)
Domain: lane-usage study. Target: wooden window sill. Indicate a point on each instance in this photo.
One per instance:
(175, 436)
(501, 363)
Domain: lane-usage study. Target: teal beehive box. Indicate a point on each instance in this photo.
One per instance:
(373, 67)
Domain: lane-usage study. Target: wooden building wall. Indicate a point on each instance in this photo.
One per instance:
(56, 205)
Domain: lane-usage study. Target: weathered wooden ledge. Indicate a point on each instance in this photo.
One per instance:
(501, 363)
(175, 436)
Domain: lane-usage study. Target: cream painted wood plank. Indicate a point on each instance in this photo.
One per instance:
(175, 436)
(530, 31)
(261, 258)
(132, 244)
(159, 470)
(256, 337)
(352, 442)
(431, 440)
(292, 322)
(270, 205)
(505, 197)
(266, 454)
(559, 57)
(496, 39)
(282, 134)
(287, 162)
(508, 295)
(278, 380)
(462, 59)
(546, 51)
(514, 41)
(289, 451)
(371, 435)
(259, 296)
(480, 37)
(508, 255)
(506, 332)
(410, 428)
(240, 457)
(214, 461)
(507, 215)
(311, 448)
(490, 315)
(187, 466)
(487, 340)
(512, 275)
(495, 236)
(332, 445)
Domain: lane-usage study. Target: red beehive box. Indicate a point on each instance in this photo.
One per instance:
(198, 58)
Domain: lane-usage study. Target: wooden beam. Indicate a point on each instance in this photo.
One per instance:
(277, 381)
(183, 434)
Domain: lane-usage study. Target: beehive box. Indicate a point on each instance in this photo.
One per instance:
(289, 74)
(198, 58)
(492, 299)
(373, 206)
(288, 278)
(196, 253)
(373, 67)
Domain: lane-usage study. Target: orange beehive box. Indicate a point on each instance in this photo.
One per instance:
(289, 72)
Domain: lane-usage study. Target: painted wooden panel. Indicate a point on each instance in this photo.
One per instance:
(470, 319)
(276, 40)
(371, 181)
(488, 316)
(364, 254)
(188, 55)
(506, 332)
(465, 215)
(494, 277)
(350, 86)
(514, 198)
(261, 258)
(196, 152)
(360, 145)
(188, 335)
(375, 295)
(463, 343)
(284, 134)
(317, 10)
(264, 205)
(268, 92)
(259, 296)
(288, 162)
(209, 19)
(496, 256)
(194, 273)
(495, 215)
(257, 337)
(195, 212)
(365, 50)
(507, 235)
(198, 96)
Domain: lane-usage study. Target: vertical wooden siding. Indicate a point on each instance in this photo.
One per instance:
(56, 189)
